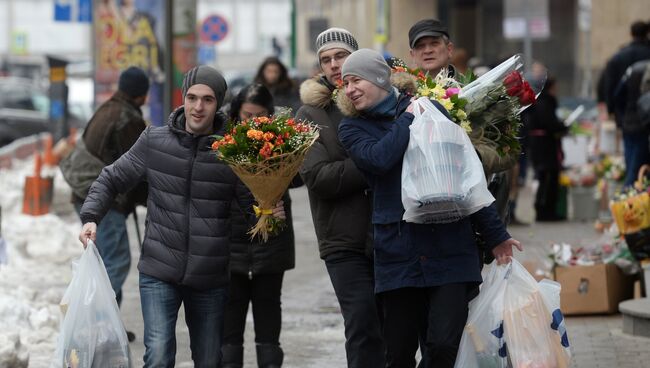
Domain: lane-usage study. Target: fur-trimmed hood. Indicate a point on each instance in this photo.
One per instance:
(316, 92)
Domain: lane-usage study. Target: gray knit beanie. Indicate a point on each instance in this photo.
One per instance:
(336, 38)
(209, 76)
(369, 65)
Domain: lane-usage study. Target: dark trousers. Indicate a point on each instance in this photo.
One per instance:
(263, 292)
(635, 153)
(352, 276)
(437, 314)
(547, 195)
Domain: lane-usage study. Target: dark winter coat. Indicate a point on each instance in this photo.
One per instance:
(338, 192)
(407, 254)
(615, 69)
(253, 258)
(113, 129)
(545, 131)
(188, 230)
(285, 97)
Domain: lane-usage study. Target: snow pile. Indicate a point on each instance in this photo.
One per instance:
(39, 253)
(12, 353)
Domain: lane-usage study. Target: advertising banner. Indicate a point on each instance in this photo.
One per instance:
(130, 33)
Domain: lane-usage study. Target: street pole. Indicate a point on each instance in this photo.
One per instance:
(528, 41)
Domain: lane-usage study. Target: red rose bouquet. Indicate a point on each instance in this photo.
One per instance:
(494, 104)
(265, 153)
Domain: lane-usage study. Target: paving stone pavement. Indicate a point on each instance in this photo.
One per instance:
(312, 334)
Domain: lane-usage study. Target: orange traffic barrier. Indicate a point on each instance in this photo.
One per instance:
(49, 158)
(37, 193)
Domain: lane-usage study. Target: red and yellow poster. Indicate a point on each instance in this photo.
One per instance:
(130, 33)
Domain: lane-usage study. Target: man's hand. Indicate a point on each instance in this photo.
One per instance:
(278, 210)
(88, 231)
(503, 251)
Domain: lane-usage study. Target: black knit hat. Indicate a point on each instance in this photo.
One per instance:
(134, 82)
(426, 28)
(209, 76)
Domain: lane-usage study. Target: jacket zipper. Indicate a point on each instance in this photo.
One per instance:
(188, 196)
(250, 258)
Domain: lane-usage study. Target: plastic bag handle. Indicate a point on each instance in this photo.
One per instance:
(423, 103)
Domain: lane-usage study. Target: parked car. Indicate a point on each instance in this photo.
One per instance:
(24, 110)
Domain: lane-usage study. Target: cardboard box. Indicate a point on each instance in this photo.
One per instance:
(592, 289)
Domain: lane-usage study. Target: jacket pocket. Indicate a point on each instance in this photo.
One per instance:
(392, 242)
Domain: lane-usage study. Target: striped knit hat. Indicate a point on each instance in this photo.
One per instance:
(209, 76)
(336, 38)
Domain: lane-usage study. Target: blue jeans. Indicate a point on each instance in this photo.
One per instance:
(113, 245)
(636, 153)
(204, 313)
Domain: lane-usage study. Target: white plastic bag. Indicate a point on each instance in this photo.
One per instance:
(92, 334)
(483, 344)
(531, 339)
(442, 176)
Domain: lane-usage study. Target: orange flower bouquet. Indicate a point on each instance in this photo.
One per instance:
(265, 153)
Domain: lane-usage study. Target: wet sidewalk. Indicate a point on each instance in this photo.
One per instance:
(312, 334)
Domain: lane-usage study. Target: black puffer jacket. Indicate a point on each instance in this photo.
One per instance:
(277, 255)
(190, 193)
(340, 205)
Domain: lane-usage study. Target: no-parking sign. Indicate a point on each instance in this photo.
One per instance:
(214, 28)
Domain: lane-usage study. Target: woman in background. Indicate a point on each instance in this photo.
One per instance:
(256, 268)
(275, 77)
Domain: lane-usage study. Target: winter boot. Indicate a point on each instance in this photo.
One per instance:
(233, 356)
(269, 356)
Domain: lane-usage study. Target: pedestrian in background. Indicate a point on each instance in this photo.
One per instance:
(256, 268)
(545, 132)
(112, 130)
(341, 206)
(274, 76)
(634, 124)
(635, 146)
(425, 274)
(185, 253)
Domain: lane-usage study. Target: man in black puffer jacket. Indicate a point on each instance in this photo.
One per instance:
(185, 252)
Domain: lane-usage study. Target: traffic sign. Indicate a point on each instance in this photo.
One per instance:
(214, 28)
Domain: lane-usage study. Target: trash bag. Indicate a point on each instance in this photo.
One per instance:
(482, 344)
(92, 334)
(534, 332)
(442, 176)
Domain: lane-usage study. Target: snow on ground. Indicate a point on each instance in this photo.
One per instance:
(39, 251)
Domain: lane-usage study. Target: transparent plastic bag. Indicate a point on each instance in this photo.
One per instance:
(528, 322)
(442, 176)
(483, 344)
(92, 334)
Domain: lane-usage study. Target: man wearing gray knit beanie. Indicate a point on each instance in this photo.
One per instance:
(186, 247)
(340, 205)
